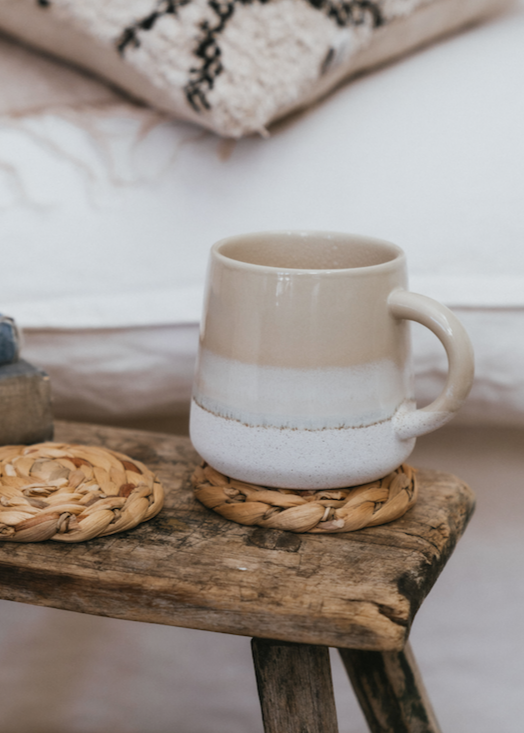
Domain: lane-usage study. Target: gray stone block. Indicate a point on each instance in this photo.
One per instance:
(25, 404)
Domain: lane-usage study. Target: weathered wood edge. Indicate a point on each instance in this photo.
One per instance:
(67, 592)
(62, 589)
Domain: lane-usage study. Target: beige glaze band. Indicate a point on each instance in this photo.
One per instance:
(304, 300)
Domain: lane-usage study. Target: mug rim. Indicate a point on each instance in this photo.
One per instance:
(398, 253)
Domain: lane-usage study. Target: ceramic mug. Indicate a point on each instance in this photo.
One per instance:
(304, 376)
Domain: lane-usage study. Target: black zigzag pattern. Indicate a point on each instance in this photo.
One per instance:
(202, 78)
(130, 35)
(207, 50)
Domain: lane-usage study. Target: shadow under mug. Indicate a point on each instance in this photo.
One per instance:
(304, 376)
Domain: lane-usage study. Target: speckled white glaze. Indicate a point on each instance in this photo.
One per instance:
(304, 375)
(297, 459)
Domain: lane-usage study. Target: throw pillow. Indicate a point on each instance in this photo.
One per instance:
(233, 65)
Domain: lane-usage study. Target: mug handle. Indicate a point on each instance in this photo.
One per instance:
(444, 324)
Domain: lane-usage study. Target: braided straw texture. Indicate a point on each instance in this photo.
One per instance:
(71, 493)
(326, 511)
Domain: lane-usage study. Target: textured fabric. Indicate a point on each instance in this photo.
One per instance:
(233, 65)
(109, 210)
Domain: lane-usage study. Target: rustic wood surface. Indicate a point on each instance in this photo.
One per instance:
(295, 687)
(190, 567)
(390, 691)
(25, 404)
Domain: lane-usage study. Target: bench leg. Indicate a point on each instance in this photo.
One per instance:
(390, 690)
(295, 687)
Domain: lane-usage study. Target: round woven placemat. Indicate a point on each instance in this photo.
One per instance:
(71, 493)
(325, 511)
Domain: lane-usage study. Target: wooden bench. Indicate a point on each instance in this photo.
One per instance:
(296, 595)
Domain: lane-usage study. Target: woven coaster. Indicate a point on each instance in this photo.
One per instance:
(72, 493)
(325, 511)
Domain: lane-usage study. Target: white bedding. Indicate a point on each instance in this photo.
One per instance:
(108, 210)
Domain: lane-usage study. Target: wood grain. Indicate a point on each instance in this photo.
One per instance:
(390, 691)
(190, 567)
(295, 687)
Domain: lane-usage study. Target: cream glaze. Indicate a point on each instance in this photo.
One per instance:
(332, 313)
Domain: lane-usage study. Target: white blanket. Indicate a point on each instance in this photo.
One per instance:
(108, 211)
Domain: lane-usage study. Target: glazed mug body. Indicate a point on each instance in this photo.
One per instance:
(304, 376)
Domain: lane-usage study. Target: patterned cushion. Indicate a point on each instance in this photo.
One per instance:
(233, 65)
